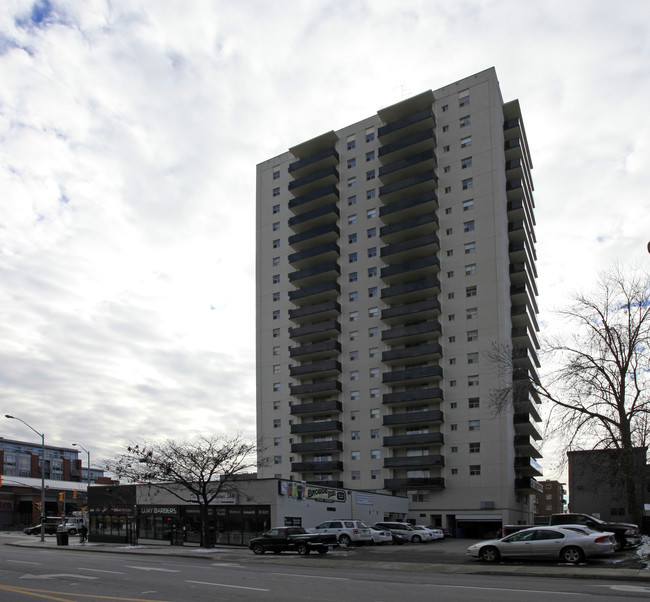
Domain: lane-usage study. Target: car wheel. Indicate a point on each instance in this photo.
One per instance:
(416, 539)
(322, 550)
(303, 549)
(489, 554)
(572, 554)
(345, 541)
(72, 532)
(619, 544)
(257, 548)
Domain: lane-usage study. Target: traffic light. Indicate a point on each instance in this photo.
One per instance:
(61, 496)
(74, 494)
(0, 480)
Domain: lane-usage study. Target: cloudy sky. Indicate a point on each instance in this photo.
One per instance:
(129, 135)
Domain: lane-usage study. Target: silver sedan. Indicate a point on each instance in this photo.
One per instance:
(568, 544)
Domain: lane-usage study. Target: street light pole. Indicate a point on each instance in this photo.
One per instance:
(88, 473)
(42, 436)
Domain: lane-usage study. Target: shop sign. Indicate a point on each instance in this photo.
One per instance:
(324, 494)
(224, 497)
(159, 510)
(365, 499)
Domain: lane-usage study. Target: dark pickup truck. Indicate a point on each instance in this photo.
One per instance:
(283, 539)
(627, 535)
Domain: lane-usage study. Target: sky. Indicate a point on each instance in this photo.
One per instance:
(129, 135)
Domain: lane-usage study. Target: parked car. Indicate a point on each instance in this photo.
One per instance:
(347, 531)
(398, 540)
(436, 533)
(566, 544)
(425, 533)
(379, 538)
(50, 529)
(404, 529)
(284, 539)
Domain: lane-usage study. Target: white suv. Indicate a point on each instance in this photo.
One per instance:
(347, 531)
(405, 530)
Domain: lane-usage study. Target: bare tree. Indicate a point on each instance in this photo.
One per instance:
(598, 384)
(194, 472)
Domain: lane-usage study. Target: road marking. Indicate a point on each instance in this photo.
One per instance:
(149, 568)
(629, 588)
(40, 592)
(81, 568)
(311, 576)
(257, 589)
(57, 575)
(230, 564)
(22, 562)
(508, 589)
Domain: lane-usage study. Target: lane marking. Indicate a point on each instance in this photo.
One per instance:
(257, 589)
(506, 589)
(22, 562)
(228, 564)
(150, 568)
(40, 592)
(57, 575)
(311, 576)
(81, 568)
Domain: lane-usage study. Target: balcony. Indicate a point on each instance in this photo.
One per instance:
(413, 270)
(414, 484)
(320, 388)
(418, 439)
(526, 444)
(412, 291)
(324, 368)
(411, 227)
(321, 426)
(414, 461)
(409, 418)
(314, 200)
(335, 465)
(317, 293)
(406, 126)
(512, 149)
(412, 354)
(432, 394)
(316, 236)
(524, 423)
(416, 184)
(408, 145)
(421, 374)
(317, 217)
(413, 333)
(316, 446)
(320, 254)
(528, 467)
(512, 127)
(410, 207)
(524, 335)
(427, 309)
(317, 273)
(316, 407)
(325, 158)
(521, 315)
(514, 189)
(422, 246)
(324, 311)
(322, 349)
(528, 485)
(526, 357)
(316, 180)
(408, 166)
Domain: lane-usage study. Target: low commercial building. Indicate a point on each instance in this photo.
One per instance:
(245, 509)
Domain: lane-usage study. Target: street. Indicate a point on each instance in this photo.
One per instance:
(66, 574)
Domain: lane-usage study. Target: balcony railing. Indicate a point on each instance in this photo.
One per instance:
(418, 225)
(316, 407)
(317, 217)
(413, 375)
(406, 418)
(315, 180)
(319, 235)
(320, 369)
(528, 485)
(325, 387)
(316, 446)
(334, 465)
(408, 145)
(527, 466)
(314, 199)
(411, 249)
(426, 180)
(414, 461)
(315, 255)
(406, 125)
(406, 166)
(427, 308)
(416, 352)
(322, 426)
(414, 395)
(324, 310)
(327, 157)
(316, 293)
(415, 205)
(413, 333)
(417, 439)
(327, 328)
(316, 350)
(414, 484)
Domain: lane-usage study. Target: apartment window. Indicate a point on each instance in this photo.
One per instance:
(470, 291)
(452, 383)
(372, 232)
(468, 205)
(352, 219)
(445, 149)
(276, 405)
(454, 471)
(372, 291)
(277, 441)
(352, 181)
(453, 405)
(468, 226)
(451, 317)
(370, 156)
(351, 142)
(449, 231)
(374, 412)
(472, 358)
(465, 121)
(276, 314)
(276, 351)
(276, 173)
(445, 128)
(470, 269)
(466, 162)
(277, 459)
(354, 335)
(276, 296)
(470, 247)
(354, 375)
(452, 361)
(450, 252)
(472, 335)
(375, 433)
(473, 402)
(549, 496)
(374, 393)
(374, 372)
(450, 274)
(472, 381)
(373, 331)
(448, 211)
(352, 277)
(356, 455)
(354, 396)
(446, 168)
(370, 134)
(373, 312)
(463, 98)
(354, 355)
(371, 194)
(372, 272)
(373, 352)
(276, 369)
(447, 189)
(276, 226)
(352, 200)
(356, 435)
(276, 278)
(454, 427)
(474, 470)
(452, 339)
(454, 449)
(277, 423)
(372, 252)
(465, 142)
(375, 454)
(352, 163)
(445, 108)
(276, 192)
(352, 238)
(276, 387)
(354, 316)
(276, 261)
(276, 208)
(375, 474)
(468, 183)
(355, 475)
(370, 175)
(276, 243)
(371, 213)
(471, 313)
(352, 257)
(353, 296)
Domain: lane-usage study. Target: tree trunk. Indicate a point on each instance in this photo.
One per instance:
(206, 539)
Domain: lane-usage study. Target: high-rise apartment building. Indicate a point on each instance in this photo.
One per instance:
(392, 255)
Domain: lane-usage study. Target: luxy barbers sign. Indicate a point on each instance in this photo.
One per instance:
(159, 510)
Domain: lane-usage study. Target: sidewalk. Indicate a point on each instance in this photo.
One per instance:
(334, 559)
